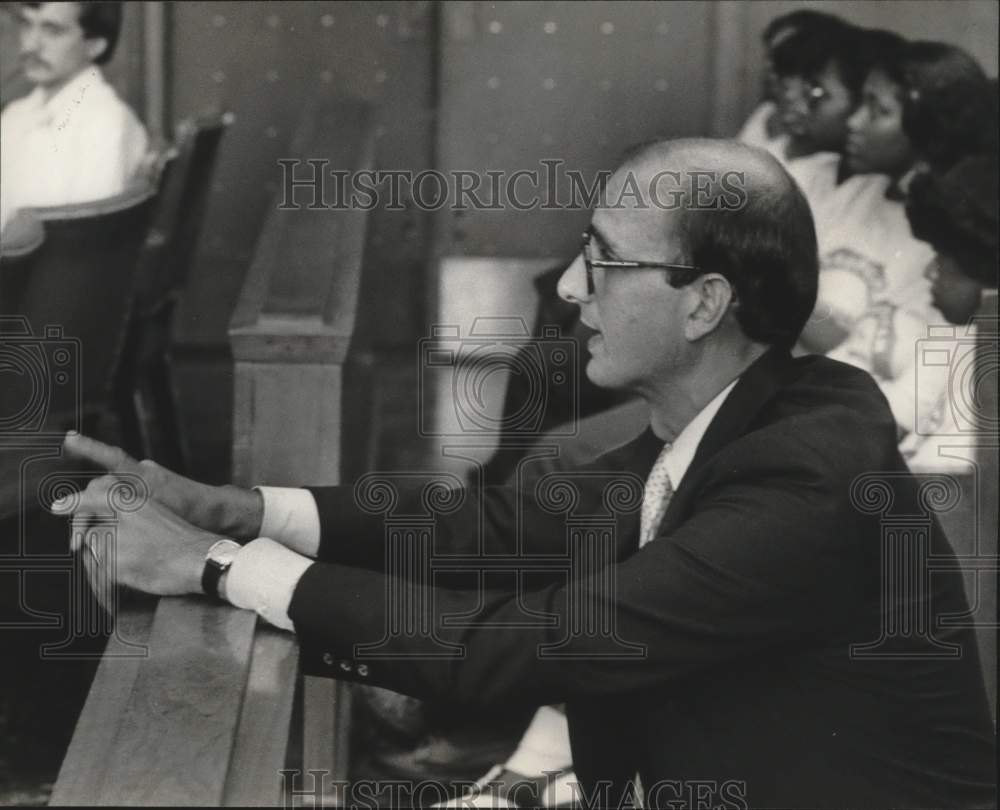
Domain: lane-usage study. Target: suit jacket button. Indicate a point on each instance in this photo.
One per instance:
(328, 659)
(363, 670)
(345, 666)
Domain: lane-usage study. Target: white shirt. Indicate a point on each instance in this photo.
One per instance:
(82, 144)
(265, 571)
(754, 132)
(872, 283)
(681, 453)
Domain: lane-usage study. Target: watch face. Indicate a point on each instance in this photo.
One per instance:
(223, 553)
(218, 560)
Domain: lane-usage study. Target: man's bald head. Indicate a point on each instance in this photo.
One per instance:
(735, 211)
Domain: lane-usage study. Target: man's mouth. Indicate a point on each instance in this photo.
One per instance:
(595, 339)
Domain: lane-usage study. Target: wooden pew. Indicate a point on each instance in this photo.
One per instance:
(192, 702)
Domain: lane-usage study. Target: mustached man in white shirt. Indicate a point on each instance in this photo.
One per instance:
(71, 139)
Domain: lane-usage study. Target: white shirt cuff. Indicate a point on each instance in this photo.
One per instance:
(291, 518)
(263, 577)
(544, 746)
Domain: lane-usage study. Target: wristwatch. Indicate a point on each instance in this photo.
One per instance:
(220, 556)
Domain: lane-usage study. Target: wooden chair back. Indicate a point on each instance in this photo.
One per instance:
(180, 211)
(61, 337)
(146, 400)
(78, 288)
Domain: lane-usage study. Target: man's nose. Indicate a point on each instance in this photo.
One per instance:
(29, 39)
(572, 285)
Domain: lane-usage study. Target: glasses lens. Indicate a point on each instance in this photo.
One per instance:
(588, 268)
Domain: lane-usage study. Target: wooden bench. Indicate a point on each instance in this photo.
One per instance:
(192, 702)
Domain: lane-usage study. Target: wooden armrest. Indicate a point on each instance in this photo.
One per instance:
(198, 717)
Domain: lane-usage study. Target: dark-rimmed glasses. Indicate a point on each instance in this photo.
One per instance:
(627, 264)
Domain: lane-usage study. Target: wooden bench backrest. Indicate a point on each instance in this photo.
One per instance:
(180, 212)
(78, 285)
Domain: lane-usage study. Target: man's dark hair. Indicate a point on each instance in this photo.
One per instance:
(99, 19)
(956, 213)
(766, 248)
(851, 50)
(949, 108)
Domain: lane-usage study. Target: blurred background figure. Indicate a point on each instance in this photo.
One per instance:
(812, 79)
(874, 300)
(765, 128)
(71, 139)
(956, 213)
(927, 105)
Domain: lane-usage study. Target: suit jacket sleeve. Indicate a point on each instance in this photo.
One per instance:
(477, 524)
(760, 561)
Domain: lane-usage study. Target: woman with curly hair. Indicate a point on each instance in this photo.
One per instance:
(956, 213)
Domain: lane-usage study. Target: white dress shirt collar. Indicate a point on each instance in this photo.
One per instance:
(69, 96)
(682, 451)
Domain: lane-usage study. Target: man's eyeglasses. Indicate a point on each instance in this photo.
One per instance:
(690, 271)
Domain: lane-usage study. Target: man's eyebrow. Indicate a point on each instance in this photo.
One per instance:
(602, 241)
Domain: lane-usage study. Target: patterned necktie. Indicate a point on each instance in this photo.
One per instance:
(655, 497)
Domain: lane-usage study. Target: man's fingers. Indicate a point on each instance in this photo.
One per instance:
(79, 529)
(84, 508)
(103, 455)
(99, 579)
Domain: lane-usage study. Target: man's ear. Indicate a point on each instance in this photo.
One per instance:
(95, 47)
(712, 296)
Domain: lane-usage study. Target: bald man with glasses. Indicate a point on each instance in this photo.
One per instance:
(737, 594)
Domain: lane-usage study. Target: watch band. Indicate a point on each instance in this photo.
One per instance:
(217, 561)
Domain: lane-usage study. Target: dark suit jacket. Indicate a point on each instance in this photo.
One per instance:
(767, 568)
